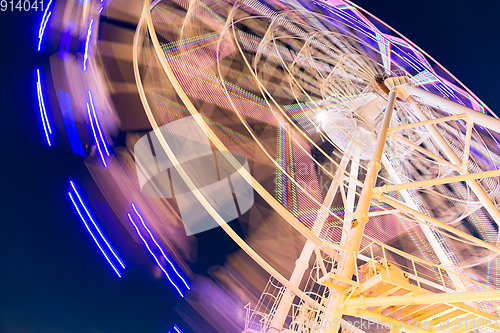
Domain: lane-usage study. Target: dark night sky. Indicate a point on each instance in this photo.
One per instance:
(52, 277)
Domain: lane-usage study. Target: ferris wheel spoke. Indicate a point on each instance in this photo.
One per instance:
(452, 156)
(424, 151)
(450, 106)
(468, 138)
(423, 219)
(311, 114)
(438, 181)
(412, 204)
(428, 122)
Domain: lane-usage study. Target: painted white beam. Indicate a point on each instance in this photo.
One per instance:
(450, 106)
(461, 297)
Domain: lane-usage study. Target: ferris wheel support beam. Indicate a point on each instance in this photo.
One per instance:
(351, 192)
(302, 262)
(432, 238)
(468, 138)
(428, 122)
(452, 107)
(420, 217)
(437, 181)
(437, 245)
(347, 264)
(361, 214)
(452, 156)
(423, 151)
(458, 166)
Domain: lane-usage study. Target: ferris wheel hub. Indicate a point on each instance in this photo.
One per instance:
(401, 84)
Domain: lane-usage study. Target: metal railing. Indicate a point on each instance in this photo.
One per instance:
(424, 274)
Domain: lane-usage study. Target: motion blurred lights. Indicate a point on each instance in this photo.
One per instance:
(220, 183)
(97, 124)
(177, 329)
(96, 226)
(154, 256)
(95, 137)
(86, 53)
(321, 117)
(93, 237)
(43, 24)
(66, 37)
(160, 248)
(43, 111)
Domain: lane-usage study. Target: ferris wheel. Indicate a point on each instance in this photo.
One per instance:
(342, 137)
(314, 85)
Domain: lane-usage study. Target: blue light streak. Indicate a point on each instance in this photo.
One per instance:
(409, 61)
(100, 10)
(152, 253)
(68, 40)
(43, 103)
(43, 111)
(95, 137)
(43, 30)
(414, 65)
(96, 226)
(177, 329)
(86, 54)
(93, 237)
(159, 247)
(97, 124)
(43, 24)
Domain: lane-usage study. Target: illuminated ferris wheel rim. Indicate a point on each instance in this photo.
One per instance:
(265, 194)
(396, 89)
(146, 18)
